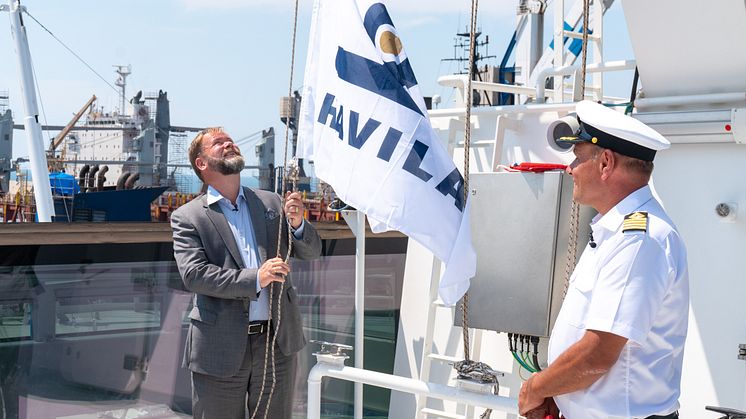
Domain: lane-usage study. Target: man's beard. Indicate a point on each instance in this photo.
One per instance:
(227, 166)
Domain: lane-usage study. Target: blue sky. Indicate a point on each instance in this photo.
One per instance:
(227, 62)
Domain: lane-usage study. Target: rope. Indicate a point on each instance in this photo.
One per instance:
(38, 92)
(572, 244)
(467, 145)
(479, 371)
(46, 122)
(72, 52)
(468, 369)
(572, 241)
(282, 220)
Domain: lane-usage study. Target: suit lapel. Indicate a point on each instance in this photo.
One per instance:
(221, 225)
(258, 222)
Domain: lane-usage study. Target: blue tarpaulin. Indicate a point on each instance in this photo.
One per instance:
(63, 184)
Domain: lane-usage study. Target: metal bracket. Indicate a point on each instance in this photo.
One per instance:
(331, 353)
(475, 386)
(742, 351)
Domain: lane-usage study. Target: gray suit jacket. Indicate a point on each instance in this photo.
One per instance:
(210, 266)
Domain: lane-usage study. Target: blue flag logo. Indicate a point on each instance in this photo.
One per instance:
(390, 79)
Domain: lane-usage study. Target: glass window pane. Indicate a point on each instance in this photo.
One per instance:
(15, 320)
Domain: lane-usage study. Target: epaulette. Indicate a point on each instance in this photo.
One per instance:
(636, 221)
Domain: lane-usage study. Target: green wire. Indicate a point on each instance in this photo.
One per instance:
(523, 364)
(529, 361)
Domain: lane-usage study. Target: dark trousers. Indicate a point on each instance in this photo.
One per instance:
(230, 397)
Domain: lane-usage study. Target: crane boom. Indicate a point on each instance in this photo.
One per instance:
(58, 139)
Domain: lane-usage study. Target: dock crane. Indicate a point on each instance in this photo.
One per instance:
(52, 161)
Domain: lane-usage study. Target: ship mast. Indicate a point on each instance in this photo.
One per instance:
(123, 71)
(37, 155)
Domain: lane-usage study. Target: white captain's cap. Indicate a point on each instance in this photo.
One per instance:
(610, 129)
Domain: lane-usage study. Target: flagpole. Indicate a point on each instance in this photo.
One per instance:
(356, 221)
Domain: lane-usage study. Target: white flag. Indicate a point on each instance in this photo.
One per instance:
(364, 124)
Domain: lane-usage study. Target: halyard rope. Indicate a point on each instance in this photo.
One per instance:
(572, 241)
(467, 368)
(282, 221)
(467, 145)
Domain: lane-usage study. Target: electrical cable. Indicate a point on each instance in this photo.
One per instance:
(530, 361)
(535, 343)
(527, 360)
(521, 375)
(521, 363)
(513, 347)
(536, 362)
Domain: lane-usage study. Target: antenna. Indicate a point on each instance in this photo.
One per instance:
(123, 71)
(461, 43)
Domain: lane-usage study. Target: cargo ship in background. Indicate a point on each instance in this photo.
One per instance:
(109, 166)
(92, 308)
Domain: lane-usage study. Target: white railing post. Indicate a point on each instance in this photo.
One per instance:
(356, 221)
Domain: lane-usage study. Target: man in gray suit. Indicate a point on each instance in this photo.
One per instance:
(223, 243)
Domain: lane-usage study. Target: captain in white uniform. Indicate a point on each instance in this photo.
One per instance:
(617, 346)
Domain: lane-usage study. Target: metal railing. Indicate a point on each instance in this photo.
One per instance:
(332, 365)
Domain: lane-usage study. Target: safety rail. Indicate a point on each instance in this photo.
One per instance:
(574, 70)
(333, 366)
(540, 92)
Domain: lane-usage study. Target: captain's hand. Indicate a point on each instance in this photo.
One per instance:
(294, 209)
(273, 270)
(527, 401)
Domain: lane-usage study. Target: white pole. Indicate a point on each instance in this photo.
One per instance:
(356, 221)
(314, 398)
(359, 308)
(559, 52)
(37, 156)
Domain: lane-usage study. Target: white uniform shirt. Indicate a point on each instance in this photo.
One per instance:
(633, 284)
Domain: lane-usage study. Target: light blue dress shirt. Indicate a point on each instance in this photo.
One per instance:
(239, 221)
